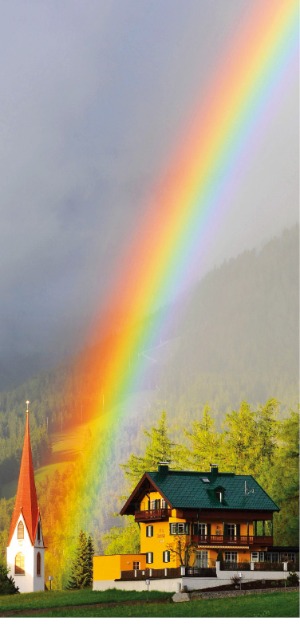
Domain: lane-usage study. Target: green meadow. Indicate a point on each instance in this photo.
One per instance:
(118, 603)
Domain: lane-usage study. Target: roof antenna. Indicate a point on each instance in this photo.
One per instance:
(247, 492)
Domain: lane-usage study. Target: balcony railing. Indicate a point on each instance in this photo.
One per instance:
(166, 573)
(159, 514)
(149, 573)
(215, 539)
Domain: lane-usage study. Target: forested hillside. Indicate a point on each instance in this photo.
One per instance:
(239, 336)
(233, 339)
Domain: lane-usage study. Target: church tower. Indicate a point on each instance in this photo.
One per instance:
(25, 550)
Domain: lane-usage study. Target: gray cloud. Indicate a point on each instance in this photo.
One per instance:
(93, 95)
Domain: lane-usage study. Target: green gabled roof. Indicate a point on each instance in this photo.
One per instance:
(187, 490)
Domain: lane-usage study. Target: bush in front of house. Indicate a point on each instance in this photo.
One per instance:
(292, 580)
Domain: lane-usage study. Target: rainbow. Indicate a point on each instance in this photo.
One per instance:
(223, 135)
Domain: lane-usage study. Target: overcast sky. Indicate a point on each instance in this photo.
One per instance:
(93, 93)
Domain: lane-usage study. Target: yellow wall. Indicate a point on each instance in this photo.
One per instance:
(109, 567)
(161, 539)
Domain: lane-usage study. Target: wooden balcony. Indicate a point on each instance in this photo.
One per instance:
(159, 514)
(220, 539)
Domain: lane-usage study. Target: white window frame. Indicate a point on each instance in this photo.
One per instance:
(149, 531)
(149, 557)
(257, 557)
(136, 565)
(231, 557)
(166, 556)
(202, 527)
(179, 528)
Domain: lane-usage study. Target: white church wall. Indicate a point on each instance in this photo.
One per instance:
(29, 581)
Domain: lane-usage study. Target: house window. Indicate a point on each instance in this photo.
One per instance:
(230, 530)
(219, 495)
(258, 556)
(272, 557)
(38, 564)
(155, 505)
(231, 557)
(149, 557)
(149, 530)
(163, 503)
(19, 563)
(20, 531)
(166, 556)
(179, 528)
(200, 529)
(136, 565)
(201, 560)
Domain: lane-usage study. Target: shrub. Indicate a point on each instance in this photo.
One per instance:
(7, 583)
(292, 579)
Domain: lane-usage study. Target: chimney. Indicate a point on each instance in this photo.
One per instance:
(163, 468)
(214, 470)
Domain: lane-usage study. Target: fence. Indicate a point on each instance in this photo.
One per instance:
(149, 573)
(231, 565)
(169, 573)
(261, 566)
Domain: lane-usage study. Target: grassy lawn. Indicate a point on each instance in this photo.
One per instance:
(66, 598)
(116, 603)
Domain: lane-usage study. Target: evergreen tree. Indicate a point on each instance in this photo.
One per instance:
(82, 568)
(250, 439)
(204, 444)
(158, 449)
(283, 482)
(7, 583)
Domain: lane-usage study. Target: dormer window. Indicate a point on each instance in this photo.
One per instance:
(20, 530)
(219, 493)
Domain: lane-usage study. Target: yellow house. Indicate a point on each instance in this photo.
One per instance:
(189, 520)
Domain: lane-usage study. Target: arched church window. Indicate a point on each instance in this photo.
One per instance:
(39, 532)
(19, 563)
(38, 564)
(20, 533)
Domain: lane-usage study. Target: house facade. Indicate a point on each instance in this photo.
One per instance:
(189, 520)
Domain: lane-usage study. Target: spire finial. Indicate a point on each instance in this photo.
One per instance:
(27, 409)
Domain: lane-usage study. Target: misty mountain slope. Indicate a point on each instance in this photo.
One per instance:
(239, 337)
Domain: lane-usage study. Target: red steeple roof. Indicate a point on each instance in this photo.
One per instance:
(26, 498)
